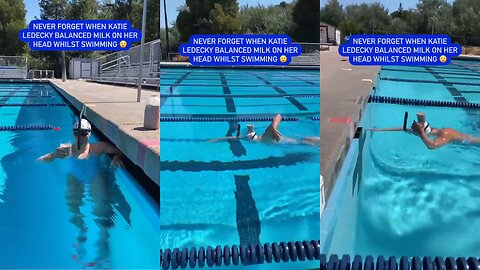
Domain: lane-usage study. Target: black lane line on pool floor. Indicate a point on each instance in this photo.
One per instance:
(173, 86)
(4, 99)
(457, 95)
(226, 91)
(248, 220)
(295, 102)
(300, 79)
(236, 146)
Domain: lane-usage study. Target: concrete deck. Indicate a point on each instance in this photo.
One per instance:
(341, 86)
(115, 112)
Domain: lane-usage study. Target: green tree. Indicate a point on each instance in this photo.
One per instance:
(50, 10)
(83, 10)
(349, 28)
(306, 16)
(208, 17)
(371, 18)
(466, 14)
(130, 10)
(430, 14)
(152, 30)
(332, 13)
(267, 20)
(399, 13)
(53, 9)
(12, 20)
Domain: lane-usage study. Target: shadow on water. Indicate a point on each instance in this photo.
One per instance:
(358, 171)
(106, 196)
(248, 220)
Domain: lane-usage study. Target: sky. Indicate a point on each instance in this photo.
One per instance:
(32, 9)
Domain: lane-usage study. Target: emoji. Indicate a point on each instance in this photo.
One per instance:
(443, 59)
(283, 59)
(123, 44)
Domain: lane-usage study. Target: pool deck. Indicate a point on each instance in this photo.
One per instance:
(343, 96)
(115, 112)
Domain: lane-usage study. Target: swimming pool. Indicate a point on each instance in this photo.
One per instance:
(396, 197)
(67, 214)
(238, 193)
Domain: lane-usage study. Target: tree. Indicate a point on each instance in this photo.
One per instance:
(267, 20)
(208, 17)
(465, 15)
(398, 13)
(53, 9)
(350, 28)
(130, 10)
(372, 18)
(12, 20)
(306, 16)
(152, 30)
(83, 10)
(429, 11)
(332, 13)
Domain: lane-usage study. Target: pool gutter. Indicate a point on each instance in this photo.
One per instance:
(332, 172)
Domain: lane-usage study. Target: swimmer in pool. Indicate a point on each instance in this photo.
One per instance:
(270, 135)
(443, 136)
(82, 149)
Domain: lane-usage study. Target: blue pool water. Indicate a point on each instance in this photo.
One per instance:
(401, 198)
(67, 214)
(238, 193)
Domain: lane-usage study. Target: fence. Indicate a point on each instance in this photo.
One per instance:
(13, 67)
(41, 74)
(131, 57)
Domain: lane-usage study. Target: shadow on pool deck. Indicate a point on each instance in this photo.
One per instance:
(341, 86)
(115, 112)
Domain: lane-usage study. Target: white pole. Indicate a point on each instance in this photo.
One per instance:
(140, 70)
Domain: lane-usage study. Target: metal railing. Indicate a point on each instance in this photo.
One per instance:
(13, 67)
(151, 57)
(42, 74)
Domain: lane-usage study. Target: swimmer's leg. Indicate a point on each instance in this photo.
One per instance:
(471, 139)
(271, 132)
(311, 140)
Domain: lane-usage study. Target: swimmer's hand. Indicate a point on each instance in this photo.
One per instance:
(61, 152)
(117, 162)
(417, 127)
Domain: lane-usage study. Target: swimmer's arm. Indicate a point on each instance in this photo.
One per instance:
(388, 129)
(104, 147)
(431, 144)
(224, 139)
(47, 157)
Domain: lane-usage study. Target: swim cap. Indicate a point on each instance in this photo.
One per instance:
(85, 125)
(427, 128)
